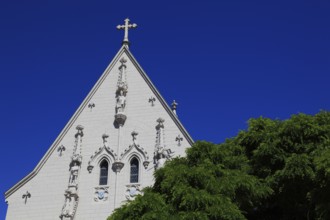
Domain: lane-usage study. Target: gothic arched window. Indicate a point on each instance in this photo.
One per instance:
(134, 175)
(104, 167)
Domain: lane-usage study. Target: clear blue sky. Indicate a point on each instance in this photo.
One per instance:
(223, 61)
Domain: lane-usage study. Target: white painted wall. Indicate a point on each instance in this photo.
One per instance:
(47, 187)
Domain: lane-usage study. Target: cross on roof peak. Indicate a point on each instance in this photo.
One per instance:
(126, 27)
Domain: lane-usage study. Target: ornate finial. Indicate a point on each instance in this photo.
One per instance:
(174, 106)
(160, 122)
(122, 61)
(80, 129)
(105, 139)
(125, 27)
(134, 135)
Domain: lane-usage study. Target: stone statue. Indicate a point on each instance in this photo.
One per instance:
(121, 102)
(160, 162)
(161, 155)
(74, 174)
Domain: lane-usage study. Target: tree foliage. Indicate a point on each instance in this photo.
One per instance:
(211, 182)
(273, 170)
(292, 156)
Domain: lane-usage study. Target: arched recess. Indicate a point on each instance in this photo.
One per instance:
(103, 152)
(139, 153)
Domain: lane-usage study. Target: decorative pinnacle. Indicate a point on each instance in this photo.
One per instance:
(80, 129)
(174, 106)
(125, 27)
(134, 133)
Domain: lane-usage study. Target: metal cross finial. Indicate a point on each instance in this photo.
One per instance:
(125, 27)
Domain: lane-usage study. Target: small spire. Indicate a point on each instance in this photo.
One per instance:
(174, 105)
(126, 27)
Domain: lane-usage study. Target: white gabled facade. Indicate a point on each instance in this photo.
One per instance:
(124, 125)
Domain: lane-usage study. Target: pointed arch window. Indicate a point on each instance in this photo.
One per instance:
(134, 174)
(104, 167)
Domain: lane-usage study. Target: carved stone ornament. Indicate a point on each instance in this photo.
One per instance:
(152, 100)
(91, 105)
(179, 139)
(105, 150)
(132, 190)
(71, 194)
(135, 147)
(120, 118)
(61, 149)
(101, 193)
(26, 196)
(117, 166)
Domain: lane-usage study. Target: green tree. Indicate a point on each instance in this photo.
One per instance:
(293, 158)
(273, 170)
(211, 182)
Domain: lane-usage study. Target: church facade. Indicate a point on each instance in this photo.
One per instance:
(107, 152)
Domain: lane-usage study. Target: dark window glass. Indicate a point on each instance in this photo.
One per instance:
(104, 172)
(134, 178)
